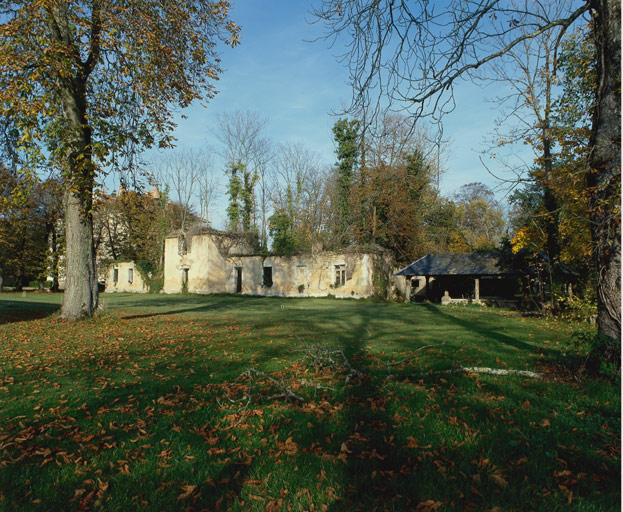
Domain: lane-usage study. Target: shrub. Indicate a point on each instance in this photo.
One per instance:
(150, 275)
(579, 309)
(398, 293)
(155, 284)
(602, 354)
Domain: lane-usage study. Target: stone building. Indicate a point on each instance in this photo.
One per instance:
(124, 277)
(218, 262)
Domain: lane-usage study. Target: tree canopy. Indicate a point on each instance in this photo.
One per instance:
(88, 84)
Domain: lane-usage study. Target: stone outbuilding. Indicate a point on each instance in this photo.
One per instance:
(219, 262)
(124, 276)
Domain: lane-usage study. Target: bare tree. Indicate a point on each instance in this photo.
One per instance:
(261, 162)
(180, 171)
(208, 190)
(409, 55)
(298, 185)
(529, 71)
(241, 134)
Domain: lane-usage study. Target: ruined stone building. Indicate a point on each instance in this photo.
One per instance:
(217, 262)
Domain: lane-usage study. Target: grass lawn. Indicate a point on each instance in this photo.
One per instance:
(151, 406)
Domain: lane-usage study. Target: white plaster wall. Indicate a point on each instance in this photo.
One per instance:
(316, 274)
(123, 285)
(209, 271)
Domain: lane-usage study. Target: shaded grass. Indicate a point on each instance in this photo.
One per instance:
(131, 410)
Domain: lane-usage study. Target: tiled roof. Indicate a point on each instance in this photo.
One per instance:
(469, 264)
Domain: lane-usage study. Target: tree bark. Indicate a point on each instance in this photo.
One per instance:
(81, 295)
(604, 180)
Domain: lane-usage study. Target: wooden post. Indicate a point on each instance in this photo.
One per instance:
(426, 293)
(476, 289)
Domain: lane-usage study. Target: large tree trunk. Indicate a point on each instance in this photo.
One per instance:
(605, 178)
(81, 295)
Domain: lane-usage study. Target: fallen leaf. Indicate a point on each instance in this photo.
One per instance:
(188, 490)
(498, 480)
(428, 505)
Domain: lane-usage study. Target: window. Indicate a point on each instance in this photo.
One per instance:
(268, 277)
(130, 275)
(340, 275)
(115, 275)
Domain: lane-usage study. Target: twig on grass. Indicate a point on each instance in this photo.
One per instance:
(396, 363)
(325, 358)
(286, 392)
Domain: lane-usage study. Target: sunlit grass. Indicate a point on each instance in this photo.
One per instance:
(134, 410)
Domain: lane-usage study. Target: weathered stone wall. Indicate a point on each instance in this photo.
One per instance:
(204, 263)
(125, 272)
(412, 286)
(212, 265)
(305, 275)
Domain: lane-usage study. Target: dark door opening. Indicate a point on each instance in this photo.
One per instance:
(268, 277)
(238, 279)
(184, 280)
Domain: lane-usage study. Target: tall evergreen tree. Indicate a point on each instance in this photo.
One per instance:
(346, 136)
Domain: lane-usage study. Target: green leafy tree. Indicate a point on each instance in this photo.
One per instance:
(25, 231)
(346, 137)
(235, 191)
(280, 229)
(87, 84)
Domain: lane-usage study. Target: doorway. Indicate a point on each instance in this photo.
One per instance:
(238, 279)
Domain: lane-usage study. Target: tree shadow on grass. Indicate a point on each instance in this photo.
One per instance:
(195, 304)
(484, 330)
(378, 472)
(12, 311)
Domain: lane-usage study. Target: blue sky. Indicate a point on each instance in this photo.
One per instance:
(298, 84)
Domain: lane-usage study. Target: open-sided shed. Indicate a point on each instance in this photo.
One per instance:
(469, 276)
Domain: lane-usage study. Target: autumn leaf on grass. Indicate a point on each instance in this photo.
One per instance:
(498, 480)
(274, 505)
(428, 505)
(289, 447)
(188, 490)
(102, 488)
(84, 502)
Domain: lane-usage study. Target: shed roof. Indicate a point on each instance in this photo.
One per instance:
(469, 264)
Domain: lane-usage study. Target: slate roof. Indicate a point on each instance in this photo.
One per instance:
(469, 264)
